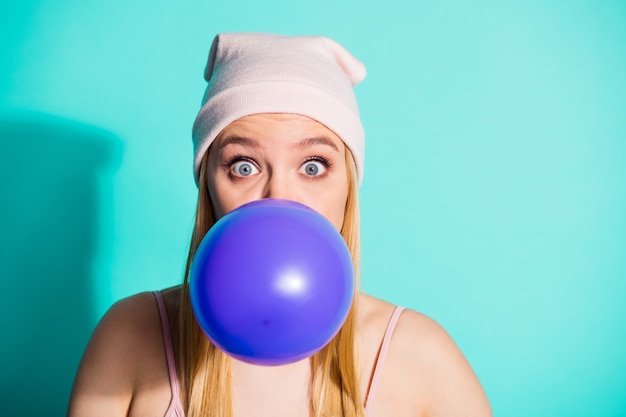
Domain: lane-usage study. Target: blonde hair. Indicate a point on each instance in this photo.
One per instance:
(205, 370)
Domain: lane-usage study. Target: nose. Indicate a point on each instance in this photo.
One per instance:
(278, 186)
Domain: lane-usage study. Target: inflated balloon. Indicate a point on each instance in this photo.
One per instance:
(272, 282)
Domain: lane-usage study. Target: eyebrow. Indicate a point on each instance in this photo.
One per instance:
(238, 140)
(303, 144)
(308, 142)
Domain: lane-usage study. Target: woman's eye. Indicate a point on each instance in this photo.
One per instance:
(244, 169)
(313, 168)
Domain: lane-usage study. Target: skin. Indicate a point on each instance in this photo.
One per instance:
(123, 371)
(274, 156)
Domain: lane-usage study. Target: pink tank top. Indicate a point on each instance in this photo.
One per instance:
(175, 408)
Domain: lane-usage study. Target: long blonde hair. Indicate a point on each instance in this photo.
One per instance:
(205, 370)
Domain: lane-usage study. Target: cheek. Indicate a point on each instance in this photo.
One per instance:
(219, 199)
(335, 206)
(341, 213)
(219, 206)
(225, 202)
(226, 198)
(337, 219)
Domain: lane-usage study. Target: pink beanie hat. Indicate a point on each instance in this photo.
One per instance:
(252, 73)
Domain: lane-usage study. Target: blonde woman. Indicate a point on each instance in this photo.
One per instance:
(279, 120)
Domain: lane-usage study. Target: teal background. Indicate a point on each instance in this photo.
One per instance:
(494, 197)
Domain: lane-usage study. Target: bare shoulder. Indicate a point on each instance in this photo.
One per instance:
(119, 358)
(424, 366)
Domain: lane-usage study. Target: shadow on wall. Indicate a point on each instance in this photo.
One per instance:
(52, 171)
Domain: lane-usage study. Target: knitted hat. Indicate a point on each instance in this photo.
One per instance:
(252, 73)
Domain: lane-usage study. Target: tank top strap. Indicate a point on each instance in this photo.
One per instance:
(175, 408)
(382, 354)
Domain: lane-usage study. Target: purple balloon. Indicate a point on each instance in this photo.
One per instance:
(272, 282)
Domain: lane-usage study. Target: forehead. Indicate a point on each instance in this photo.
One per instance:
(283, 127)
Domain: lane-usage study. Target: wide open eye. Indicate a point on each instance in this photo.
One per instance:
(244, 169)
(313, 168)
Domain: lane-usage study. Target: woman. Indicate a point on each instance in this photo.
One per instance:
(279, 120)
